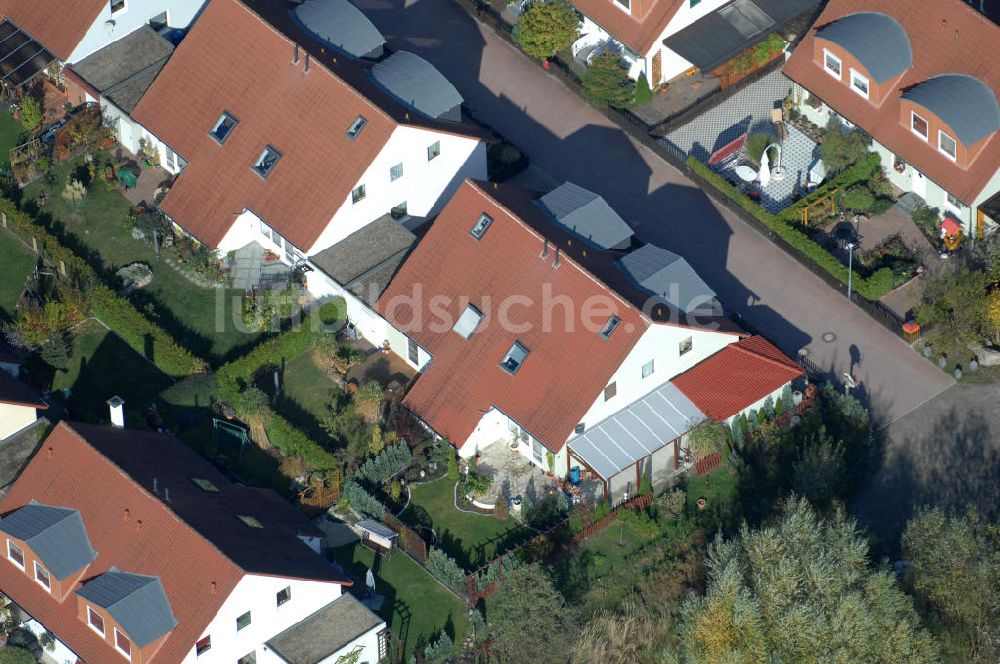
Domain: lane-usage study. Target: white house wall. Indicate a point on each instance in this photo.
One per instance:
(111, 27)
(14, 418)
(425, 185)
(495, 427)
(660, 343)
(257, 594)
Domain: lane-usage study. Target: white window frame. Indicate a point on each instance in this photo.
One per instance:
(856, 75)
(48, 575)
(914, 115)
(433, 151)
(90, 620)
(126, 654)
(624, 5)
(19, 565)
(392, 172)
(358, 194)
(652, 369)
(685, 346)
(941, 135)
(827, 53)
(111, 6)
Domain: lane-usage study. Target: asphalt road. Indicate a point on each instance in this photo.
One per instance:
(568, 140)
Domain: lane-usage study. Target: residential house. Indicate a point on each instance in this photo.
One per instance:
(666, 38)
(127, 546)
(70, 31)
(529, 335)
(19, 405)
(922, 79)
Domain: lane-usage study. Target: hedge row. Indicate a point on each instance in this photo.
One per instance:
(234, 376)
(871, 288)
(114, 311)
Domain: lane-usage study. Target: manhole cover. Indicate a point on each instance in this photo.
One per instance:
(829, 336)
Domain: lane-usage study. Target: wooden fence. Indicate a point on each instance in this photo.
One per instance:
(409, 541)
(708, 464)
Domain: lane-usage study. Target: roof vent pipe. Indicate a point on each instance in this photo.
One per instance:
(295, 58)
(156, 485)
(166, 494)
(116, 408)
(306, 66)
(545, 248)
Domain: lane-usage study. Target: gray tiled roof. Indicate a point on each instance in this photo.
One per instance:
(418, 84)
(55, 534)
(325, 632)
(878, 41)
(123, 70)
(637, 431)
(136, 602)
(963, 102)
(668, 276)
(586, 214)
(341, 25)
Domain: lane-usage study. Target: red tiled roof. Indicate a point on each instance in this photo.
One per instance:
(233, 61)
(738, 376)
(566, 367)
(638, 30)
(58, 25)
(15, 392)
(72, 469)
(947, 37)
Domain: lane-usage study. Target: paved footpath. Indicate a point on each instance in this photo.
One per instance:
(568, 140)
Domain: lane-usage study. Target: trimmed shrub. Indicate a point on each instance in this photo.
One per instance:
(643, 93)
(444, 568)
(606, 83)
(390, 462)
(364, 502)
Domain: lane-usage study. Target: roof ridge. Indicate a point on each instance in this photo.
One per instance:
(790, 365)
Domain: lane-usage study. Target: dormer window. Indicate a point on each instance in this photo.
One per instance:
(223, 127)
(468, 322)
(266, 161)
(610, 326)
(479, 228)
(95, 620)
(947, 145)
(918, 125)
(15, 554)
(356, 127)
(42, 576)
(123, 644)
(514, 358)
(859, 83)
(832, 64)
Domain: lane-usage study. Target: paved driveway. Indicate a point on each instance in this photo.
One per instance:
(568, 140)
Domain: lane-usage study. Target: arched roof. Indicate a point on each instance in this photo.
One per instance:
(963, 102)
(878, 41)
(341, 25)
(417, 83)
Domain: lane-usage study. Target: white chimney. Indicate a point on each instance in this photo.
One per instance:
(116, 406)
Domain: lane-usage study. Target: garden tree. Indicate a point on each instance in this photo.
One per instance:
(606, 83)
(953, 568)
(800, 590)
(529, 620)
(57, 351)
(706, 438)
(956, 304)
(368, 401)
(31, 113)
(643, 93)
(842, 147)
(439, 650)
(546, 27)
(820, 472)
(858, 197)
(377, 443)
(254, 408)
(757, 142)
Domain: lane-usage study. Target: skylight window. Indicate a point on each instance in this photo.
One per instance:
(223, 127)
(249, 521)
(205, 485)
(479, 228)
(356, 127)
(610, 326)
(266, 161)
(468, 321)
(514, 358)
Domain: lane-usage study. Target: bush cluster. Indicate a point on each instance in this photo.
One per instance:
(445, 569)
(364, 502)
(392, 460)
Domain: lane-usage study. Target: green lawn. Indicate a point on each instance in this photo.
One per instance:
(305, 395)
(15, 266)
(10, 135)
(103, 366)
(471, 539)
(202, 319)
(416, 606)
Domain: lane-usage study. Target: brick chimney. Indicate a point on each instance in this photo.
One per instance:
(116, 407)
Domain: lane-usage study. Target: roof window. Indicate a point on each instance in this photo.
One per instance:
(514, 358)
(223, 127)
(479, 228)
(249, 521)
(610, 326)
(205, 485)
(468, 321)
(356, 127)
(266, 161)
